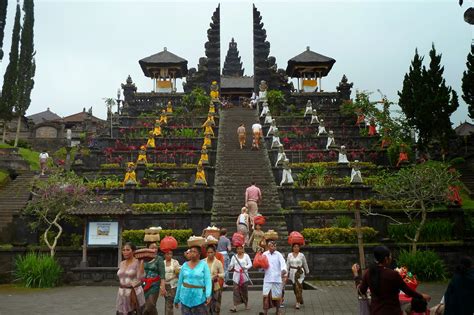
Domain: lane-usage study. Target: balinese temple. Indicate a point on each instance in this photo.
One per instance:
(234, 84)
(309, 67)
(164, 68)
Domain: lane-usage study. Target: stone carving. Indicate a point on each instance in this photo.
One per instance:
(281, 156)
(309, 108)
(321, 128)
(209, 66)
(265, 110)
(268, 119)
(272, 128)
(262, 94)
(287, 178)
(314, 117)
(232, 63)
(331, 141)
(142, 155)
(344, 88)
(342, 158)
(356, 176)
(129, 90)
(275, 139)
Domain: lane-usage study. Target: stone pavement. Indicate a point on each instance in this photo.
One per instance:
(332, 297)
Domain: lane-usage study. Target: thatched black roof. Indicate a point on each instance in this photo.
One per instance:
(310, 59)
(164, 59)
(236, 82)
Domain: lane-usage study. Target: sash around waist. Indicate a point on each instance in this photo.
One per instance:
(192, 286)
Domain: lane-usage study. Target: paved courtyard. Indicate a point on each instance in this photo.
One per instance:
(334, 297)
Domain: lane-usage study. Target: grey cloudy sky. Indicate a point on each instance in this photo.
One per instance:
(85, 49)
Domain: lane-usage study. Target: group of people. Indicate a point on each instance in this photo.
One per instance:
(196, 286)
(257, 133)
(384, 284)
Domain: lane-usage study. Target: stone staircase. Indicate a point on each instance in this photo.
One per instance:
(236, 169)
(13, 198)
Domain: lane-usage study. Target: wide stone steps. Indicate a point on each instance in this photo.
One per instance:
(236, 169)
(13, 198)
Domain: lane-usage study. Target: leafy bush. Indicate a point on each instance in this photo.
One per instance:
(109, 165)
(342, 221)
(160, 207)
(21, 143)
(330, 164)
(337, 235)
(37, 271)
(457, 161)
(276, 102)
(136, 236)
(349, 204)
(312, 176)
(426, 265)
(433, 231)
(197, 99)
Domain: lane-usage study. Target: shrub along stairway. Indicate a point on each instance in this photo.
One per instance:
(13, 198)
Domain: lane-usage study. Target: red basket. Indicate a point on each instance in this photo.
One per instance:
(295, 238)
(238, 239)
(259, 219)
(168, 243)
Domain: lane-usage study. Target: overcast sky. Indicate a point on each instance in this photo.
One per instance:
(86, 49)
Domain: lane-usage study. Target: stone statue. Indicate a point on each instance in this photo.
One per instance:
(268, 119)
(204, 155)
(151, 140)
(163, 118)
(281, 156)
(169, 108)
(212, 108)
(262, 95)
(208, 128)
(142, 155)
(314, 117)
(130, 176)
(157, 130)
(276, 139)
(331, 141)
(287, 178)
(342, 159)
(214, 93)
(207, 140)
(271, 128)
(200, 175)
(321, 128)
(356, 176)
(309, 108)
(265, 110)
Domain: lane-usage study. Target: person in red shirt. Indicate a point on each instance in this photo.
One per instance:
(384, 284)
(253, 196)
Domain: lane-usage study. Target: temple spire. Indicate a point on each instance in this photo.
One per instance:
(232, 63)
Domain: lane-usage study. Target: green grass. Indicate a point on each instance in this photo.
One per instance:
(32, 157)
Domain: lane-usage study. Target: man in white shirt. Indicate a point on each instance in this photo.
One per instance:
(257, 134)
(43, 159)
(272, 282)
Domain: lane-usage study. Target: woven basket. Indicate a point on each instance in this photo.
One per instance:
(215, 233)
(145, 253)
(271, 235)
(197, 241)
(151, 238)
(211, 240)
(153, 231)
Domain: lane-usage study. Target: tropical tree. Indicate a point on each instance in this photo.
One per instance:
(51, 201)
(468, 83)
(420, 188)
(26, 65)
(10, 80)
(427, 101)
(3, 19)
